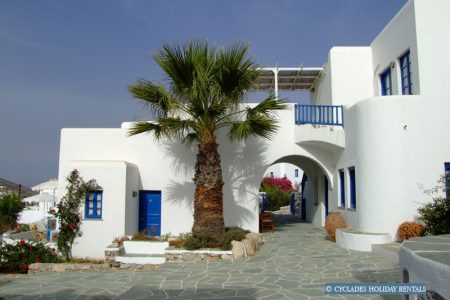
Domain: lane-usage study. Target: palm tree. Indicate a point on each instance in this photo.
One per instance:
(207, 86)
(10, 208)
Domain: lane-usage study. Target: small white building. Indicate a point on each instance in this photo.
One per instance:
(378, 127)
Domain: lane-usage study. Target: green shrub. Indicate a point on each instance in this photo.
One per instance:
(436, 214)
(276, 196)
(193, 243)
(18, 257)
(231, 234)
(190, 242)
(142, 236)
(176, 243)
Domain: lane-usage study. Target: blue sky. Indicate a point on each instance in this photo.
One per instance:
(68, 63)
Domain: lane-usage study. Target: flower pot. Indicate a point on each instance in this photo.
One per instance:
(334, 221)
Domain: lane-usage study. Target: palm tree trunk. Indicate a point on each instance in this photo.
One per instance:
(208, 206)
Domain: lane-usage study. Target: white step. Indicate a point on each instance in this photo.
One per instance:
(145, 247)
(141, 259)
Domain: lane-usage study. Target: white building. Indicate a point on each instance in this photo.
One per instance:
(378, 128)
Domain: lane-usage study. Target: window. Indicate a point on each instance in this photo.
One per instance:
(351, 173)
(386, 83)
(405, 74)
(296, 172)
(271, 174)
(341, 188)
(93, 205)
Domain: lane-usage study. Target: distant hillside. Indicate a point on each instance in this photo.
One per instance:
(8, 186)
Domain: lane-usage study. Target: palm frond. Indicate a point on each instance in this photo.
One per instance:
(147, 127)
(235, 72)
(254, 125)
(158, 99)
(268, 106)
(10, 208)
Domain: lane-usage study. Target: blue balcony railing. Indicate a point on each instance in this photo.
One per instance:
(319, 114)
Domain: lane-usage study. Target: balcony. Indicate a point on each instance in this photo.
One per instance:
(332, 115)
(320, 125)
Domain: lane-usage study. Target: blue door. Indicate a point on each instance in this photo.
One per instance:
(325, 185)
(150, 212)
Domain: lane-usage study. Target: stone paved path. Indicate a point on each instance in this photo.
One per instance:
(294, 263)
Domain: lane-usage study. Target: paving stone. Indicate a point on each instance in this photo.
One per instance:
(293, 263)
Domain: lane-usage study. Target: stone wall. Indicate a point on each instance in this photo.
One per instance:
(84, 267)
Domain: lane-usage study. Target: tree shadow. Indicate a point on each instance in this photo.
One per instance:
(242, 167)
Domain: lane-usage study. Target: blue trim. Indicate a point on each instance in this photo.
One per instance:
(351, 173)
(150, 212)
(342, 188)
(292, 203)
(386, 82)
(447, 175)
(95, 210)
(325, 186)
(319, 114)
(405, 73)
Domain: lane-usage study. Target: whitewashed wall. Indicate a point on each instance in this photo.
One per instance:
(394, 143)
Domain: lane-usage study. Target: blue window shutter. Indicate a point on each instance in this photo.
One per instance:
(352, 176)
(386, 82)
(342, 187)
(405, 73)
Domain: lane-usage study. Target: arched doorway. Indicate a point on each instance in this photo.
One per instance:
(315, 186)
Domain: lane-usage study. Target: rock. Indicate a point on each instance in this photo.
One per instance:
(188, 257)
(256, 236)
(212, 257)
(237, 249)
(250, 246)
(59, 267)
(84, 267)
(226, 256)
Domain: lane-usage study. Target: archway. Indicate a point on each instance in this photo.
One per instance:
(315, 185)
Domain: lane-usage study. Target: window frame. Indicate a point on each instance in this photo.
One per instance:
(405, 73)
(352, 185)
(296, 172)
(386, 91)
(341, 188)
(95, 207)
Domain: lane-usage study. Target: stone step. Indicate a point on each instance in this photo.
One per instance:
(389, 251)
(141, 259)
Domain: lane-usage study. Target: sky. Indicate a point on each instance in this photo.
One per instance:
(68, 63)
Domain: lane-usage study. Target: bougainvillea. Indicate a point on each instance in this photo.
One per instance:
(284, 183)
(18, 257)
(69, 211)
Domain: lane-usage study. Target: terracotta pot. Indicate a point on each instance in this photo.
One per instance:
(334, 221)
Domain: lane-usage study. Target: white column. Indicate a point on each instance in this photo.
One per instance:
(275, 72)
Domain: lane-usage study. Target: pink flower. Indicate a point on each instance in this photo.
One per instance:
(37, 260)
(21, 243)
(26, 266)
